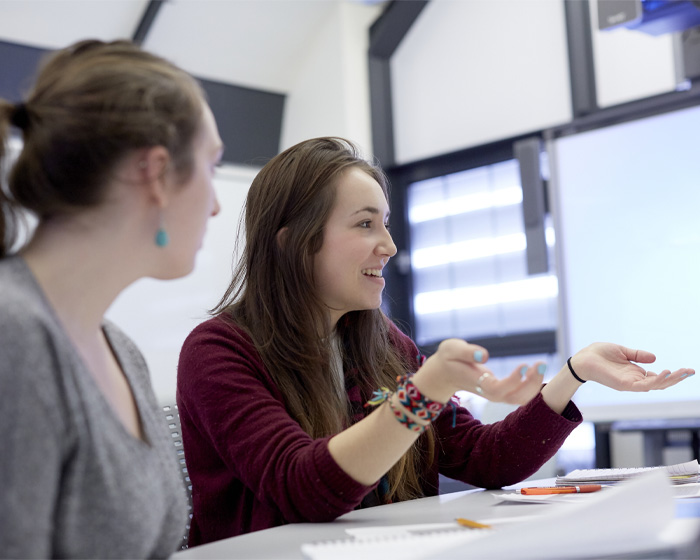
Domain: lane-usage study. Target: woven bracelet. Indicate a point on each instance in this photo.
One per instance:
(413, 400)
(404, 419)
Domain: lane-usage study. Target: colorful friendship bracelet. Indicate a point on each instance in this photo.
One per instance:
(404, 419)
(414, 401)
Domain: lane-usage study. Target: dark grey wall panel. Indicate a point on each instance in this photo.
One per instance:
(18, 64)
(249, 120)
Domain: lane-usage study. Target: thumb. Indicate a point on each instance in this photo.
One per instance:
(641, 356)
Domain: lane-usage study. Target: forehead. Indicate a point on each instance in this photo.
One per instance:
(208, 134)
(357, 190)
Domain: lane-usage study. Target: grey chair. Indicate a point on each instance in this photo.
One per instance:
(172, 416)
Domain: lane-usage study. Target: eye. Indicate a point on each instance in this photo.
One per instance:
(366, 224)
(387, 226)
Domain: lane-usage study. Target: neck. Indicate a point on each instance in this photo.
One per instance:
(81, 271)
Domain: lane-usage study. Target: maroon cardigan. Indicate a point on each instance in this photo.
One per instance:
(253, 467)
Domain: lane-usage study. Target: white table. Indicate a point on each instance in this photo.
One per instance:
(480, 505)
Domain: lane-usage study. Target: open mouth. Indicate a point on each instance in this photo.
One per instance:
(376, 272)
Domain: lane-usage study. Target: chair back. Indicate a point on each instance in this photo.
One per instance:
(172, 417)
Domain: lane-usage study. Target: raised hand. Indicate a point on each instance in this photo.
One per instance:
(519, 387)
(611, 365)
(458, 365)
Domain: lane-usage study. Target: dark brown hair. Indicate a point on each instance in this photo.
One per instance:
(93, 103)
(272, 297)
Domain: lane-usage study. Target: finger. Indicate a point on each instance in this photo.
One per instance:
(670, 379)
(480, 354)
(462, 351)
(641, 356)
(525, 391)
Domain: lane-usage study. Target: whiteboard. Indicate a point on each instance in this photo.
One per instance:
(626, 208)
(159, 314)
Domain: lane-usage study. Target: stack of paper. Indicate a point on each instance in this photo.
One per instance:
(682, 473)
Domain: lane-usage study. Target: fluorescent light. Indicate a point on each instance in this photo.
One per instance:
(463, 204)
(538, 287)
(473, 249)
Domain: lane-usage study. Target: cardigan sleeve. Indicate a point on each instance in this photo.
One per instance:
(227, 393)
(505, 452)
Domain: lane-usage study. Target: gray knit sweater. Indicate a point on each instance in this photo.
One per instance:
(73, 482)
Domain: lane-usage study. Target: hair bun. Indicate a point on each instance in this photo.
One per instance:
(20, 116)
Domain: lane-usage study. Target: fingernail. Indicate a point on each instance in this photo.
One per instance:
(683, 375)
(541, 369)
(523, 371)
(478, 356)
(667, 376)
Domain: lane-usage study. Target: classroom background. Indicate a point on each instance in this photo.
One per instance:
(543, 160)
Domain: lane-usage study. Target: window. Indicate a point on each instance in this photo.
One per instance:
(468, 258)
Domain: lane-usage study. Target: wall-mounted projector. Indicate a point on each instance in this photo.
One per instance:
(654, 17)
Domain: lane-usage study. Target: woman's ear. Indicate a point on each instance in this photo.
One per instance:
(152, 167)
(281, 237)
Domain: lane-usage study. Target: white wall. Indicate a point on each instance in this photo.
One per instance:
(330, 94)
(475, 71)
(629, 64)
(158, 315)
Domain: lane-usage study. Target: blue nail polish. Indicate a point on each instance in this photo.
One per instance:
(667, 376)
(478, 356)
(541, 369)
(523, 371)
(683, 375)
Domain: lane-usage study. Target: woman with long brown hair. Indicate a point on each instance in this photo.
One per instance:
(116, 166)
(300, 400)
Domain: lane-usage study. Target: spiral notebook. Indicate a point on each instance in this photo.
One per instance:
(635, 516)
(682, 473)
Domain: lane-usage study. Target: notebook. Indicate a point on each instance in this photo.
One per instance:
(681, 473)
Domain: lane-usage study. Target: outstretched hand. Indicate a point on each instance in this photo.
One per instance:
(611, 365)
(460, 365)
(519, 387)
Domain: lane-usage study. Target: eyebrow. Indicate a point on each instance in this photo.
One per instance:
(370, 209)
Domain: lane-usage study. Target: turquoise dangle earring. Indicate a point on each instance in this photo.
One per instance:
(162, 238)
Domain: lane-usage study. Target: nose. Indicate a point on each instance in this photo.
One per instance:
(216, 207)
(386, 245)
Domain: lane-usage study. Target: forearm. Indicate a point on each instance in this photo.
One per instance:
(368, 449)
(560, 389)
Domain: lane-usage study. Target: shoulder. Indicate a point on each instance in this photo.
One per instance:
(33, 353)
(20, 299)
(217, 341)
(26, 321)
(218, 331)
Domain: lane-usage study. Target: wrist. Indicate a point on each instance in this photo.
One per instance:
(432, 387)
(574, 372)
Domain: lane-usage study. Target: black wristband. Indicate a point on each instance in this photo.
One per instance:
(568, 363)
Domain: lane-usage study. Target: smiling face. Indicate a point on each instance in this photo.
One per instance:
(356, 246)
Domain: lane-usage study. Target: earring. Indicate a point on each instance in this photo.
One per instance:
(162, 238)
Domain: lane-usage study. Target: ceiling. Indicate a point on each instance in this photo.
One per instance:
(251, 43)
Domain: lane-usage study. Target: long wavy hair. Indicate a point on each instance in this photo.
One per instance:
(272, 297)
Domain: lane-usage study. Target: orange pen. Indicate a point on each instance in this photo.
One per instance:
(580, 489)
